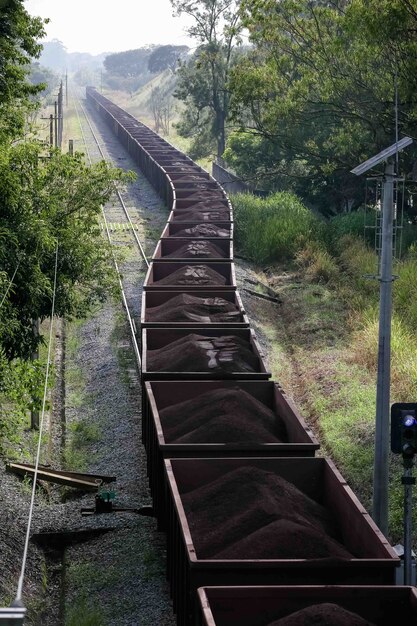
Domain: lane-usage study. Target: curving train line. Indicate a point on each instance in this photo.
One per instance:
(258, 527)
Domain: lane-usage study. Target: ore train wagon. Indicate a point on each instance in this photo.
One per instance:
(231, 463)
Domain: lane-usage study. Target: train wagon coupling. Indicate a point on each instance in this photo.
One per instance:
(103, 503)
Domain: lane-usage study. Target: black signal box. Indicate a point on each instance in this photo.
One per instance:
(404, 428)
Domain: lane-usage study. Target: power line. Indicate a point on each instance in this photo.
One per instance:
(32, 500)
(9, 285)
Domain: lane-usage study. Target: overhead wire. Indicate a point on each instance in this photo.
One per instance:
(9, 285)
(18, 598)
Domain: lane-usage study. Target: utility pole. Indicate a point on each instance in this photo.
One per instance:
(60, 114)
(34, 414)
(66, 87)
(382, 419)
(382, 424)
(51, 130)
(56, 123)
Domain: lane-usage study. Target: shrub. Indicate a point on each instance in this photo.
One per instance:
(351, 224)
(361, 224)
(273, 228)
(404, 354)
(357, 263)
(319, 265)
(405, 292)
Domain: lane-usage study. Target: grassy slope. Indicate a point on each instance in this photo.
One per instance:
(138, 106)
(314, 353)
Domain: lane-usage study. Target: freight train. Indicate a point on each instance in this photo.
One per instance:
(260, 531)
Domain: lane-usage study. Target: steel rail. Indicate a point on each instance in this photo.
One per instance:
(116, 265)
(142, 251)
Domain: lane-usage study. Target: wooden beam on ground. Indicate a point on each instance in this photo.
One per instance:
(86, 482)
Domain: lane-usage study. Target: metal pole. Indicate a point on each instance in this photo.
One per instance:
(408, 512)
(51, 130)
(66, 87)
(382, 430)
(60, 113)
(34, 414)
(56, 123)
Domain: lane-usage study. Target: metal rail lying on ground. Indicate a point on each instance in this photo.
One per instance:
(88, 482)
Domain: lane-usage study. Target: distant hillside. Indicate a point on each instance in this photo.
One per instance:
(156, 94)
(55, 57)
(131, 70)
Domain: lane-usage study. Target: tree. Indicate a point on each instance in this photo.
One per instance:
(316, 95)
(166, 57)
(44, 202)
(42, 76)
(128, 71)
(129, 64)
(203, 81)
(18, 45)
(54, 55)
(160, 103)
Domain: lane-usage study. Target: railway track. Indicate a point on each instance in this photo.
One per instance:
(116, 217)
(109, 369)
(232, 467)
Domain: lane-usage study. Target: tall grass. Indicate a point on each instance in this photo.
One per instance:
(405, 292)
(318, 264)
(358, 264)
(356, 224)
(273, 228)
(404, 354)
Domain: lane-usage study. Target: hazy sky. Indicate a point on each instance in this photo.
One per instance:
(105, 26)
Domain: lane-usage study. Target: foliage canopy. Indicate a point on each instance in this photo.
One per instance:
(19, 33)
(43, 202)
(315, 95)
(46, 199)
(202, 84)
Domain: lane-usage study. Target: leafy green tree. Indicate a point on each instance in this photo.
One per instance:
(316, 95)
(166, 57)
(128, 64)
(128, 71)
(45, 199)
(203, 81)
(42, 76)
(54, 55)
(44, 202)
(19, 33)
